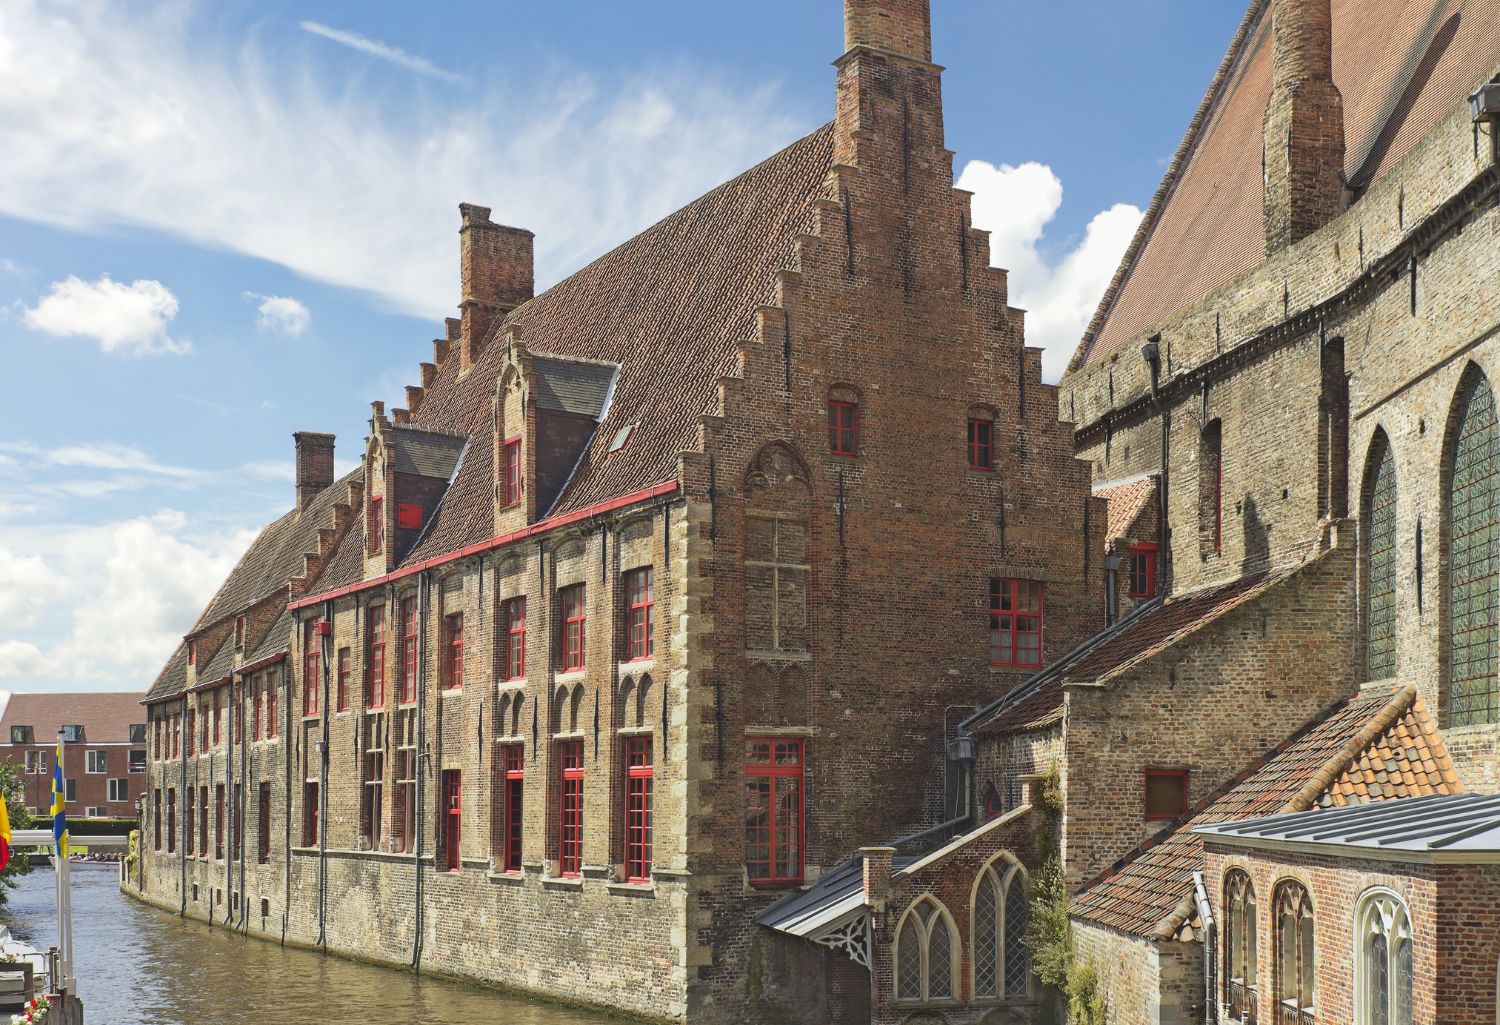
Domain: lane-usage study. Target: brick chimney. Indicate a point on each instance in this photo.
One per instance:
(1304, 127)
(902, 27)
(314, 465)
(497, 276)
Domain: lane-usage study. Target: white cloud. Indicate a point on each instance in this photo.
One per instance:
(1015, 205)
(27, 586)
(9, 266)
(129, 319)
(109, 455)
(383, 51)
(119, 114)
(22, 658)
(281, 313)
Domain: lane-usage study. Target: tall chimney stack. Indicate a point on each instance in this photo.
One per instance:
(314, 465)
(1304, 126)
(496, 273)
(902, 27)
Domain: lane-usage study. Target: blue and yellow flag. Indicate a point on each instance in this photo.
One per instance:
(59, 806)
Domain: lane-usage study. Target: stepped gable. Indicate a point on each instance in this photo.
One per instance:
(1126, 501)
(275, 556)
(671, 307)
(1401, 65)
(1381, 744)
(1149, 629)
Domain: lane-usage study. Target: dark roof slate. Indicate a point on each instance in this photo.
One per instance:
(572, 386)
(426, 453)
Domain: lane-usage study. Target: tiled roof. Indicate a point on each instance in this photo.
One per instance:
(1149, 892)
(275, 556)
(571, 385)
(1146, 631)
(277, 639)
(1401, 65)
(106, 716)
(218, 664)
(173, 676)
(671, 307)
(426, 453)
(1127, 500)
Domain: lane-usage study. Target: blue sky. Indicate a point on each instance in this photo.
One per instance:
(223, 222)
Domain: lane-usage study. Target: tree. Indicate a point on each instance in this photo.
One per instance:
(20, 818)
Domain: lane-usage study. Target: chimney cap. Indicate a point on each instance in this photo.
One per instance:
(473, 214)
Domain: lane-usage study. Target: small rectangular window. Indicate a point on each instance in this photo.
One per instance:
(1015, 622)
(515, 639)
(218, 709)
(341, 692)
(843, 427)
(36, 763)
(639, 604)
(20, 735)
(273, 721)
(97, 763)
(239, 631)
(639, 773)
(137, 761)
(513, 758)
(171, 820)
(570, 807)
(574, 617)
(309, 814)
(1143, 570)
(375, 529)
(219, 820)
(192, 653)
(312, 667)
(774, 811)
(981, 443)
(375, 657)
(408, 650)
(512, 487)
(1166, 794)
(452, 819)
(263, 825)
(119, 790)
(138, 733)
(453, 651)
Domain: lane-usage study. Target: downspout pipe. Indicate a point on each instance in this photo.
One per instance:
(1210, 947)
(1111, 585)
(245, 792)
(418, 827)
(286, 819)
(181, 824)
(325, 643)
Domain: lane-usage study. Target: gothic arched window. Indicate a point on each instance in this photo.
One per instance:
(1383, 966)
(1001, 964)
(926, 953)
(1296, 955)
(1473, 555)
(1239, 946)
(1380, 560)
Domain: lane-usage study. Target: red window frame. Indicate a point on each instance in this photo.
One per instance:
(218, 716)
(638, 614)
(312, 667)
(237, 721)
(1141, 570)
(192, 653)
(341, 689)
(239, 631)
(375, 656)
(452, 819)
(263, 822)
(843, 427)
(375, 529)
(572, 602)
(1013, 603)
(1179, 807)
(981, 443)
(257, 685)
(219, 820)
(203, 821)
(515, 639)
(310, 814)
(570, 809)
(453, 651)
(512, 464)
(408, 614)
(639, 784)
(513, 758)
(272, 726)
(774, 821)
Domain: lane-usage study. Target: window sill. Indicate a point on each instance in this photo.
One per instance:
(508, 878)
(514, 683)
(452, 692)
(1011, 667)
(562, 882)
(636, 665)
(572, 675)
(640, 889)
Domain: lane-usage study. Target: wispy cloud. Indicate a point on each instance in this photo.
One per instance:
(281, 314)
(133, 115)
(382, 51)
(128, 319)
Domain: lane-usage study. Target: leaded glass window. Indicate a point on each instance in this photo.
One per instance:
(1473, 539)
(925, 953)
(1384, 965)
(1296, 952)
(1380, 562)
(1239, 946)
(1001, 964)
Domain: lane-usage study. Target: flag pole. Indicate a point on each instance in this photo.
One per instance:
(65, 984)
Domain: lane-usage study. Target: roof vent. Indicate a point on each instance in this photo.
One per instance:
(621, 437)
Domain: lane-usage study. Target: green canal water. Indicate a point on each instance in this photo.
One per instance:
(137, 965)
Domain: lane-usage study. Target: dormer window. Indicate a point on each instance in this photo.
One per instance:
(511, 488)
(375, 533)
(192, 653)
(20, 735)
(72, 734)
(239, 631)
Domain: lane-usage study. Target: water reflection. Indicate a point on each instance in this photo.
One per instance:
(140, 966)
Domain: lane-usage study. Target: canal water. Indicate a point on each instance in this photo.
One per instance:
(137, 965)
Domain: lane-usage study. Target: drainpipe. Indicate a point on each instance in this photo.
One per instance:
(1111, 597)
(421, 751)
(226, 811)
(286, 761)
(325, 642)
(181, 824)
(243, 809)
(1210, 946)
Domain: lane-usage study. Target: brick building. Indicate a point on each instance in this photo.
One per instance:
(732, 631)
(104, 750)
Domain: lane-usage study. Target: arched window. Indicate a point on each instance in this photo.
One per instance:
(1380, 560)
(1296, 954)
(1001, 964)
(1239, 946)
(1473, 560)
(1382, 964)
(1211, 488)
(926, 953)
